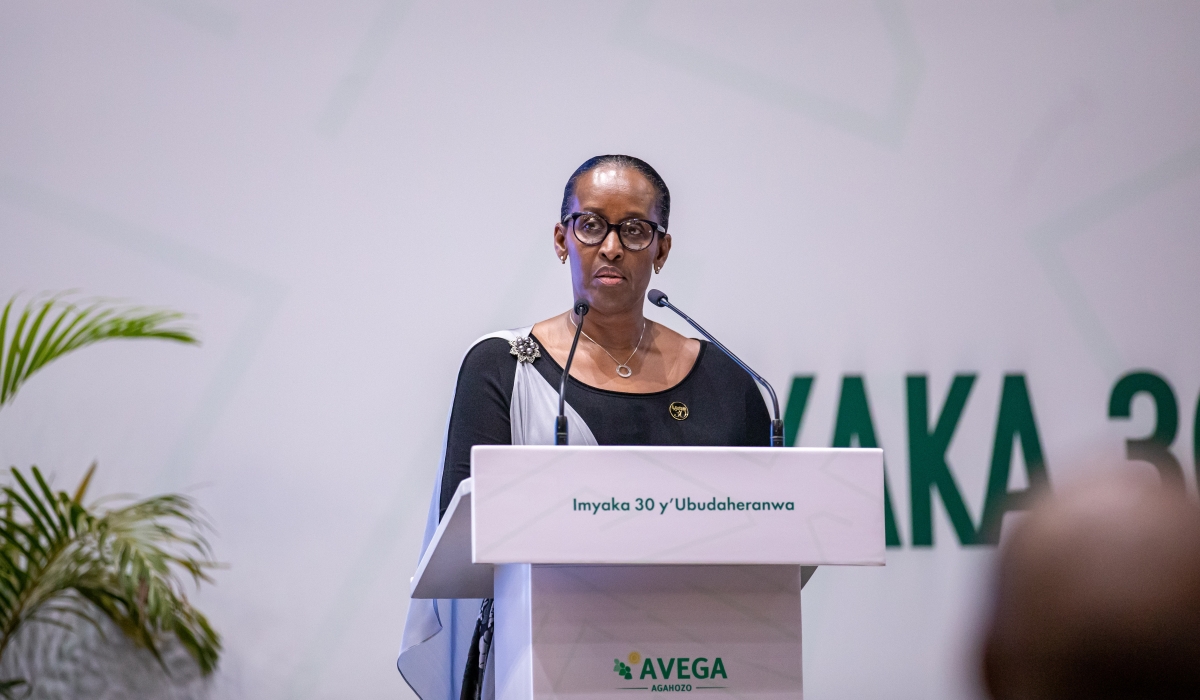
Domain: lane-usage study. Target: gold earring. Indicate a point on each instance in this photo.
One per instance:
(657, 269)
(563, 259)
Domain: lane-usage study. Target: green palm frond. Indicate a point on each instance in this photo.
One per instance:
(59, 556)
(50, 327)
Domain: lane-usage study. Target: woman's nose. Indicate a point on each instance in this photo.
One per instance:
(611, 247)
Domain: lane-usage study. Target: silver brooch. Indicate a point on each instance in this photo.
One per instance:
(526, 349)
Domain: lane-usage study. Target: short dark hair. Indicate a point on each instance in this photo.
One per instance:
(664, 195)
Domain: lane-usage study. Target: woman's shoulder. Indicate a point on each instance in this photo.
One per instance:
(488, 347)
(489, 361)
(501, 347)
(494, 347)
(717, 365)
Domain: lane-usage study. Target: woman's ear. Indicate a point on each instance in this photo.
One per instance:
(664, 249)
(560, 242)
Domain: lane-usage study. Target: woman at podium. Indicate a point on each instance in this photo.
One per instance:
(632, 382)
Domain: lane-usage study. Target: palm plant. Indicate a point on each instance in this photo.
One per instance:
(52, 327)
(63, 559)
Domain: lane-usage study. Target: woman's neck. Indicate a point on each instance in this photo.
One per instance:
(614, 331)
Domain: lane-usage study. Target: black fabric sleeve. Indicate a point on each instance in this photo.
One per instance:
(480, 415)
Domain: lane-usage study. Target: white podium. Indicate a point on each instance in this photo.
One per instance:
(619, 571)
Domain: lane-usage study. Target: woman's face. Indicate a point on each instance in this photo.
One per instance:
(610, 278)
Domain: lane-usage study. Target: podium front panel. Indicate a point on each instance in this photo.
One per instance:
(677, 505)
(609, 632)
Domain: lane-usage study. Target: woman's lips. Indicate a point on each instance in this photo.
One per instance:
(609, 277)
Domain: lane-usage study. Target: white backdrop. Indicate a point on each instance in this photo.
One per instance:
(345, 194)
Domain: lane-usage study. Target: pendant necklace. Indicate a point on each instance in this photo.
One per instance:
(622, 367)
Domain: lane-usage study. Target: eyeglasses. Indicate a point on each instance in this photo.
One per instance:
(592, 229)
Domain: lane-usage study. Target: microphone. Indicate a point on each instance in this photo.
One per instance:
(560, 423)
(659, 299)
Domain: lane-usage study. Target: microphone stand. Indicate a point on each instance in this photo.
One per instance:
(560, 423)
(659, 299)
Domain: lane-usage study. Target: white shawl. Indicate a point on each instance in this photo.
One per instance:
(433, 653)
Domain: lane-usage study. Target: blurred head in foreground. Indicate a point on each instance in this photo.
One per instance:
(1098, 596)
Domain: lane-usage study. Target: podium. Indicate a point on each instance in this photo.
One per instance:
(621, 571)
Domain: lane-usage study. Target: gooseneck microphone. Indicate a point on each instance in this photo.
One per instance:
(560, 423)
(659, 299)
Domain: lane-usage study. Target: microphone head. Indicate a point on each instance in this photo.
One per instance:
(581, 308)
(656, 297)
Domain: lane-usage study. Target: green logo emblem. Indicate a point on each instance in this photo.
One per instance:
(672, 669)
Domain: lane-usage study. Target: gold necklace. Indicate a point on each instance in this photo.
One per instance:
(622, 367)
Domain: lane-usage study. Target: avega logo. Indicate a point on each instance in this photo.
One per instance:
(674, 668)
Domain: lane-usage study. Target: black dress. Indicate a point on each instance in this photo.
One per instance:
(723, 408)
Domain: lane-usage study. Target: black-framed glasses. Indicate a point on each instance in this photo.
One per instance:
(592, 229)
